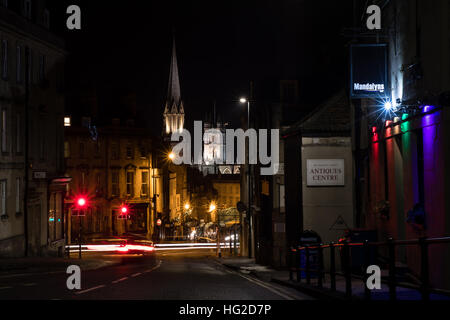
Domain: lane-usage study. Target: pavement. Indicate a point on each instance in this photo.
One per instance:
(51, 264)
(281, 277)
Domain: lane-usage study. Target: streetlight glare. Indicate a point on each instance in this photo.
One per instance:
(171, 156)
(243, 100)
(212, 207)
(187, 206)
(388, 105)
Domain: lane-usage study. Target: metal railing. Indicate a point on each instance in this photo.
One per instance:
(424, 287)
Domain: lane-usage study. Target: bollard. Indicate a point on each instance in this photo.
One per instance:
(347, 269)
(298, 265)
(320, 267)
(424, 270)
(290, 264)
(392, 286)
(366, 248)
(332, 267)
(308, 275)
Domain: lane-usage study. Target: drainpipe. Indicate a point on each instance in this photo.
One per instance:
(26, 155)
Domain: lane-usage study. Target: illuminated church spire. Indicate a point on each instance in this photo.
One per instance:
(174, 110)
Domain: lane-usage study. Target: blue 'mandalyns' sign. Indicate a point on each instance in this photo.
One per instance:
(368, 71)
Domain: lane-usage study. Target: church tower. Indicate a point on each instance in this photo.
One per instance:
(173, 116)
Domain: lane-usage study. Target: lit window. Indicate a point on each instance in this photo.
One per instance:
(67, 121)
(144, 186)
(66, 149)
(115, 184)
(130, 184)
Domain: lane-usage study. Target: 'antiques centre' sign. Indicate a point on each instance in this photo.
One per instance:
(325, 172)
(368, 74)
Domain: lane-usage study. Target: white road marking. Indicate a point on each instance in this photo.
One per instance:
(136, 274)
(261, 284)
(266, 286)
(91, 289)
(4, 288)
(29, 284)
(154, 268)
(120, 280)
(28, 274)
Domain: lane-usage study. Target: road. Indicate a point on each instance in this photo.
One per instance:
(167, 275)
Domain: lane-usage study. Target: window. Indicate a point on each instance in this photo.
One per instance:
(66, 149)
(82, 180)
(130, 154)
(130, 184)
(98, 180)
(46, 18)
(3, 197)
(5, 59)
(143, 151)
(30, 66)
(97, 149)
(26, 10)
(3, 131)
(41, 67)
(18, 133)
(42, 141)
(18, 188)
(144, 187)
(115, 151)
(115, 191)
(19, 64)
(81, 150)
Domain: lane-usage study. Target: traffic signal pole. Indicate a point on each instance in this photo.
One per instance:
(80, 230)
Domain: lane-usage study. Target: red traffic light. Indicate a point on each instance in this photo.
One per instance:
(123, 210)
(81, 202)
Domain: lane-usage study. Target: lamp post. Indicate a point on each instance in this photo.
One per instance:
(187, 206)
(249, 210)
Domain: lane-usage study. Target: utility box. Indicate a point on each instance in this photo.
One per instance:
(310, 238)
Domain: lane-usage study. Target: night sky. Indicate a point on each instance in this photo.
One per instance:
(124, 50)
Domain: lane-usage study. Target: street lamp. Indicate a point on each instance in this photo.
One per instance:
(171, 156)
(247, 101)
(187, 206)
(212, 208)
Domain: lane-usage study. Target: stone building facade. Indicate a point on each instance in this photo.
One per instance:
(31, 200)
(112, 166)
(404, 164)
